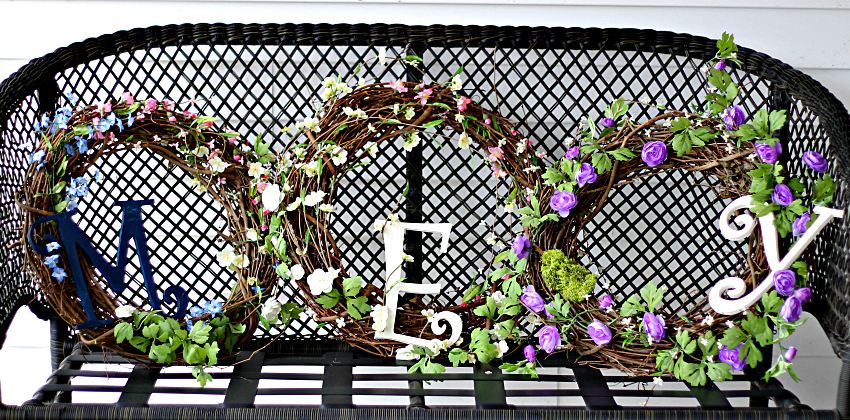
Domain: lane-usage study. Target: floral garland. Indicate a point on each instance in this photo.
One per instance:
(536, 294)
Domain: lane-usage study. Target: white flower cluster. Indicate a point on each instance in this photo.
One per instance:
(379, 315)
(321, 281)
(229, 258)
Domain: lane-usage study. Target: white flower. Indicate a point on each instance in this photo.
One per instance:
(124, 311)
(626, 321)
(708, 320)
(495, 336)
(406, 353)
(645, 100)
(372, 147)
(340, 322)
(314, 198)
(510, 207)
(456, 84)
(201, 151)
(667, 123)
(502, 348)
(393, 219)
(251, 281)
(733, 55)
(396, 108)
(296, 272)
(531, 169)
(361, 82)
(328, 82)
(730, 148)
(198, 185)
(371, 130)
(320, 281)
(271, 309)
(491, 240)
(327, 208)
(464, 141)
(272, 197)
(435, 346)
(217, 165)
(379, 225)
(382, 56)
(226, 257)
(241, 261)
(730, 324)
(339, 155)
(710, 358)
(252, 235)
(256, 170)
(358, 113)
(379, 316)
(428, 313)
(658, 381)
(406, 257)
(498, 297)
(752, 157)
(409, 113)
(703, 341)
(294, 205)
(459, 118)
(312, 124)
(310, 169)
(411, 141)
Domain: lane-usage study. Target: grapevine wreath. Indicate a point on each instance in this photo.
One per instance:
(537, 295)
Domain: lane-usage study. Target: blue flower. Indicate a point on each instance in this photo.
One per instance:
(98, 176)
(59, 121)
(53, 246)
(73, 99)
(82, 144)
(36, 156)
(80, 186)
(196, 311)
(130, 119)
(51, 261)
(59, 273)
(25, 146)
(45, 121)
(119, 123)
(40, 165)
(69, 150)
(72, 205)
(64, 111)
(213, 307)
(189, 322)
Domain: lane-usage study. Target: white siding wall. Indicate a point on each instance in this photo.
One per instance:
(810, 36)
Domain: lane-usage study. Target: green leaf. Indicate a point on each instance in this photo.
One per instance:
(413, 58)
(732, 337)
(358, 306)
(141, 343)
(682, 144)
(719, 372)
(511, 287)
(162, 353)
(61, 206)
(601, 162)
(824, 190)
(329, 300)
(553, 176)
(622, 154)
(776, 120)
(458, 356)
(771, 302)
(81, 130)
(631, 306)
(501, 256)
(123, 331)
(432, 124)
(200, 333)
(150, 331)
(351, 286)
(652, 296)
(487, 310)
(680, 124)
(802, 269)
(357, 69)
(212, 352)
(472, 292)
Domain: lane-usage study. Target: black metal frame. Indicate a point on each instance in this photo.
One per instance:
(579, 71)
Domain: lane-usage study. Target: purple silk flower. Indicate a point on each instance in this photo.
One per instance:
(791, 309)
(532, 299)
(784, 282)
(730, 357)
(586, 175)
(653, 325)
(529, 352)
(599, 332)
(782, 195)
(790, 354)
(520, 246)
(654, 153)
(767, 153)
(798, 227)
(549, 338)
(815, 161)
(606, 122)
(803, 294)
(563, 202)
(733, 117)
(605, 301)
(572, 153)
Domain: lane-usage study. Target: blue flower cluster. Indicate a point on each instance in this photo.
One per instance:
(212, 307)
(53, 262)
(79, 188)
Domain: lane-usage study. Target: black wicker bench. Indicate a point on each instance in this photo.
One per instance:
(262, 76)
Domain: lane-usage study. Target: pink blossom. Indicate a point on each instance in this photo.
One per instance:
(496, 153)
(137, 146)
(150, 105)
(424, 95)
(264, 227)
(156, 138)
(98, 135)
(262, 187)
(506, 277)
(254, 202)
(233, 140)
(140, 115)
(462, 102)
(488, 121)
(499, 172)
(172, 118)
(266, 211)
(168, 105)
(222, 180)
(540, 155)
(104, 107)
(237, 158)
(513, 132)
(397, 85)
(207, 124)
(128, 99)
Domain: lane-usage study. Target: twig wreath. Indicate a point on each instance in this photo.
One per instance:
(537, 295)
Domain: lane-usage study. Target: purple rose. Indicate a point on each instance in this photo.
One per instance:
(563, 202)
(521, 246)
(720, 64)
(791, 309)
(532, 299)
(782, 195)
(529, 352)
(803, 294)
(653, 325)
(586, 175)
(607, 122)
(654, 153)
(733, 117)
(549, 338)
(784, 282)
(790, 354)
(767, 153)
(815, 161)
(605, 302)
(799, 226)
(572, 153)
(730, 357)
(599, 332)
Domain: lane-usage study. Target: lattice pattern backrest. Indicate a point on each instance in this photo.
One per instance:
(661, 229)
